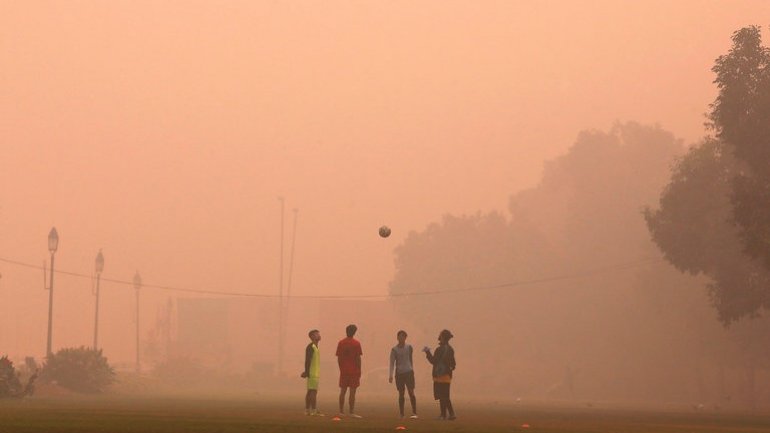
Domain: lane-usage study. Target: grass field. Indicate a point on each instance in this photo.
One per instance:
(190, 415)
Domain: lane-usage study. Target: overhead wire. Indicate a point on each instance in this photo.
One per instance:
(510, 284)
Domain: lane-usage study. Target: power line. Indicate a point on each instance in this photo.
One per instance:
(144, 285)
(572, 276)
(568, 276)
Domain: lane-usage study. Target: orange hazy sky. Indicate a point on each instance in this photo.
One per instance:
(164, 131)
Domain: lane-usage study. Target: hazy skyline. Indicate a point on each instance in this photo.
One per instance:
(163, 132)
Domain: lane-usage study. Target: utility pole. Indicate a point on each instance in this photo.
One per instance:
(99, 266)
(137, 286)
(291, 267)
(53, 245)
(279, 367)
(291, 255)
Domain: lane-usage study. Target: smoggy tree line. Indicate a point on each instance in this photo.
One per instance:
(554, 323)
(598, 219)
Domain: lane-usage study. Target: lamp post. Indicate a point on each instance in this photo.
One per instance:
(99, 266)
(53, 245)
(279, 369)
(6, 315)
(137, 286)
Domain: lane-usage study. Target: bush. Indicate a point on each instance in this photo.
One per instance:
(10, 383)
(9, 380)
(78, 369)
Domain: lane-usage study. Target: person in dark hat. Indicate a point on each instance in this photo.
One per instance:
(443, 361)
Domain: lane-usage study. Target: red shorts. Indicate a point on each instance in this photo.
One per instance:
(350, 381)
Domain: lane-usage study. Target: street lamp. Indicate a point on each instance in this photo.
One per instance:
(99, 267)
(137, 286)
(53, 245)
(279, 368)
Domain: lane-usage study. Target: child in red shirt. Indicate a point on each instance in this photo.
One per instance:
(349, 360)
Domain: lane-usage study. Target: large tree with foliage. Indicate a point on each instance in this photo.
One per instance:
(693, 228)
(740, 118)
(714, 215)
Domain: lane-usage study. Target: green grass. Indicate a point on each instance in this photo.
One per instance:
(193, 415)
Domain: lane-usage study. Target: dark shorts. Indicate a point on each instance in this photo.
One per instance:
(441, 391)
(405, 380)
(350, 381)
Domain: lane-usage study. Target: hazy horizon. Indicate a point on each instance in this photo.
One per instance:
(164, 133)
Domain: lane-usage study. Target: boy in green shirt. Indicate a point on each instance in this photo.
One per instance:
(312, 373)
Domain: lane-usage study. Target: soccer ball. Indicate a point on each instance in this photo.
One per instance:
(384, 231)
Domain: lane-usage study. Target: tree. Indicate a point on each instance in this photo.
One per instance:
(10, 380)
(461, 253)
(740, 118)
(584, 214)
(714, 216)
(471, 252)
(694, 230)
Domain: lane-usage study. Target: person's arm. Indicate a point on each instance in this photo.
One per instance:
(308, 359)
(358, 358)
(391, 364)
(451, 358)
(430, 357)
(411, 357)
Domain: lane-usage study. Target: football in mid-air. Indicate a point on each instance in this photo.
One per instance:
(384, 231)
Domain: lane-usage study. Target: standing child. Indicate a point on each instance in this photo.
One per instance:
(349, 360)
(401, 359)
(443, 361)
(312, 373)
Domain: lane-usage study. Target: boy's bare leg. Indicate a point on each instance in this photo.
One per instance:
(412, 400)
(343, 390)
(352, 400)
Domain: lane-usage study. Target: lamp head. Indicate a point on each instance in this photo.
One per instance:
(53, 240)
(137, 281)
(99, 262)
